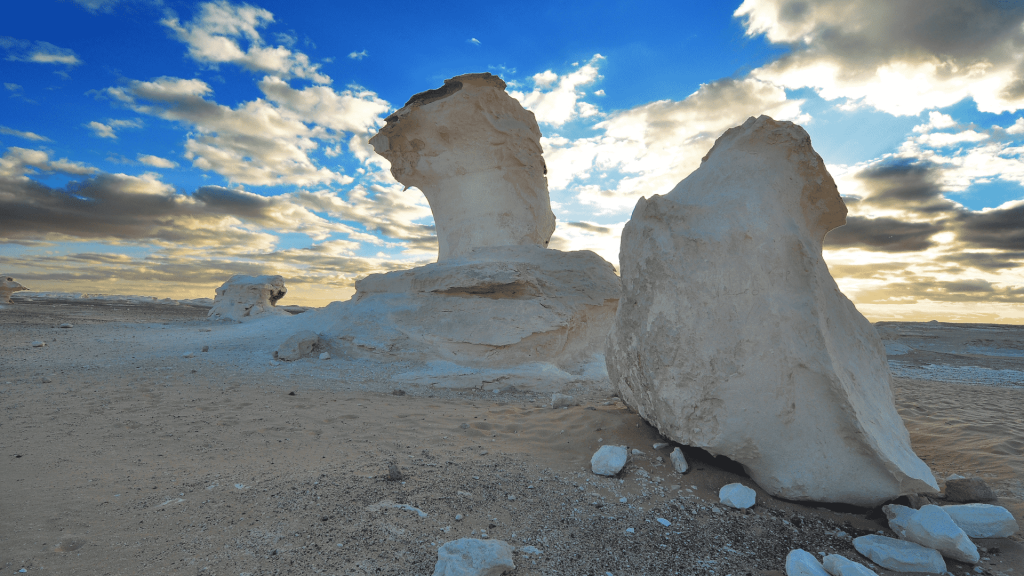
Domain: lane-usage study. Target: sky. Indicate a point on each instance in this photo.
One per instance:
(155, 147)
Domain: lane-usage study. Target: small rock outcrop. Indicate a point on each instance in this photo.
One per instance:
(803, 563)
(475, 153)
(298, 345)
(983, 520)
(968, 490)
(243, 298)
(472, 557)
(900, 555)
(8, 286)
(732, 336)
(932, 527)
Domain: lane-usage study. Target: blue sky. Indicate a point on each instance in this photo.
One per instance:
(158, 147)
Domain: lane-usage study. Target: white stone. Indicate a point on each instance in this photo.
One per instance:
(475, 153)
(898, 517)
(325, 355)
(608, 460)
(737, 495)
(900, 555)
(983, 520)
(562, 400)
(678, 461)
(243, 298)
(932, 527)
(837, 565)
(8, 286)
(521, 316)
(732, 336)
(660, 445)
(297, 345)
(472, 557)
(803, 563)
(66, 325)
(38, 344)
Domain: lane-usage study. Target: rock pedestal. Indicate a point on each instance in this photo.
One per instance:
(8, 286)
(475, 153)
(732, 336)
(243, 298)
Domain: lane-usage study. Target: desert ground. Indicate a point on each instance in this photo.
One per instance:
(126, 449)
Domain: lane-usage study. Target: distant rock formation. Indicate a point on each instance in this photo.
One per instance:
(475, 153)
(732, 336)
(243, 298)
(8, 286)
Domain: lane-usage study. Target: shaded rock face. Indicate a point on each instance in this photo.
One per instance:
(8, 286)
(475, 153)
(243, 298)
(512, 315)
(732, 336)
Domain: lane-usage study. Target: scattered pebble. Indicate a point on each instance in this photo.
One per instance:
(636, 452)
(46, 380)
(325, 356)
(664, 522)
(459, 517)
(737, 495)
(530, 550)
(659, 445)
(206, 348)
(608, 460)
(562, 400)
(188, 355)
(66, 325)
(38, 344)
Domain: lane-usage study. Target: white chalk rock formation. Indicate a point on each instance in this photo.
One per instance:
(900, 555)
(932, 527)
(243, 298)
(511, 315)
(732, 336)
(475, 153)
(8, 286)
(898, 517)
(838, 565)
(803, 563)
(983, 520)
(472, 557)
(297, 346)
(737, 495)
(608, 460)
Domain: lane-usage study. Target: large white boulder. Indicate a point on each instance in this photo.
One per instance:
(475, 153)
(932, 527)
(732, 336)
(8, 286)
(526, 316)
(900, 555)
(472, 557)
(983, 520)
(243, 298)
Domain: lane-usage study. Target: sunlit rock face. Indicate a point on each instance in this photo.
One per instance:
(732, 336)
(8, 286)
(244, 298)
(475, 153)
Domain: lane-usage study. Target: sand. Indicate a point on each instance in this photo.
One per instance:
(118, 455)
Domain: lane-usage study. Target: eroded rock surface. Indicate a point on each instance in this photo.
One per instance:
(475, 153)
(8, 286)
(732, 336)
(515, 315)
(243, 298)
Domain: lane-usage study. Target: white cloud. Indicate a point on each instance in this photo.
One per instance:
(95, 6)
(599, 92)
(39, 52)
(555, 99)
(219, 30)
(358, 55)
(107, 130)
(898, 57)
(1017, 128)
(25, 135)
(473, 41)
(936, 121)
(156, 161)
(17, 163)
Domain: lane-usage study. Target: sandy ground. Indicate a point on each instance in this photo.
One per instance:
(121, 457)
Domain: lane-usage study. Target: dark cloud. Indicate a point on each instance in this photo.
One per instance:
(882, 270)
(883, 234)
(596, 229)
(999, 228)
(987, 261)
(905, 184)
(925, 288)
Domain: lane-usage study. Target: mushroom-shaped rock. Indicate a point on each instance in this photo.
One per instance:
(732, 336)
(244, 297)
(475, 153)
(8, 286)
